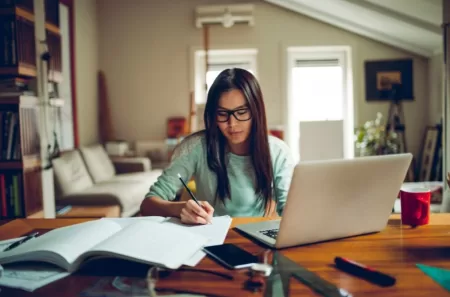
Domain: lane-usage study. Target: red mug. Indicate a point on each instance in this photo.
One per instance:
(415, 206)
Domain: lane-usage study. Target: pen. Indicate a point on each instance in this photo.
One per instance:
(364, 271)
(190, 193)
(17, 243)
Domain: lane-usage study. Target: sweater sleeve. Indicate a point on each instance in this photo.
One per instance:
(284, 166)
(184, 162)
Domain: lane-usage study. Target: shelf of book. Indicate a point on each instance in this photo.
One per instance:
(18, 11)
(25, 163)
(20, 168)
(21, 69)
(25, 9)
(18, 49)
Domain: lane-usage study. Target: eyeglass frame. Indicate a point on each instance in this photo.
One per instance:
(232, 113)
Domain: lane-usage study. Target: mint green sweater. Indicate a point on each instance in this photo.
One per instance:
(189, 160)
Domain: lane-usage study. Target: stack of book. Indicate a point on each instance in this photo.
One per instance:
(14, 86)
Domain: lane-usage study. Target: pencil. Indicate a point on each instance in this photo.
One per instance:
(189, 191)
(191, 194)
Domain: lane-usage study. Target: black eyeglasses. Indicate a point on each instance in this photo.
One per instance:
(240, 114)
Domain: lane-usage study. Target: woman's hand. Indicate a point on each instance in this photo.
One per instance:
(193, 213)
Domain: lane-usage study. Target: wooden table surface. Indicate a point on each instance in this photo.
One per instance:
(395, 250)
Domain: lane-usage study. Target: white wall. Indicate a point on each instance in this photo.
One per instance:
(435, 71)
(144, 51)
(86, 53)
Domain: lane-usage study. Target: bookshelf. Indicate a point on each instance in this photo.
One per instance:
(20, 168)
(17, 45)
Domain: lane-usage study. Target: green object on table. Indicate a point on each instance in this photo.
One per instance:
(439, 275)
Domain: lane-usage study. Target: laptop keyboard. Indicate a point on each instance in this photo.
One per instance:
(271, 233)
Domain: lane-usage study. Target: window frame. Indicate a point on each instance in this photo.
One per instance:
(219, 56)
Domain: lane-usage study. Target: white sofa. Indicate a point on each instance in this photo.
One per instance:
(88, 176)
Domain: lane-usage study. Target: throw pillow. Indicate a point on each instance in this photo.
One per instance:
(98, 163)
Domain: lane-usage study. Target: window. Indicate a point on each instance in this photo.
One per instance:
(218, 61)
(317, 90)
(215, 69)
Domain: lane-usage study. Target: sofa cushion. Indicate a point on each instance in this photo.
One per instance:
(127, 194)
(70, 173)
(98, 163)
(131, 164)
(147, 177)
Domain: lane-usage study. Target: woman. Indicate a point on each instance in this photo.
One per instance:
(239, 170)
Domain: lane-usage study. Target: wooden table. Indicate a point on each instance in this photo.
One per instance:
(88, 211)
(395, 251)
(98, 211)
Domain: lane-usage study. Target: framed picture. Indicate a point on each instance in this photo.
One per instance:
(389, 80)
(428, 153)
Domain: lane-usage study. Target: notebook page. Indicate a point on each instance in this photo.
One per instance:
(215, 232)
(152, 243)
(68, 242)
(123, 222)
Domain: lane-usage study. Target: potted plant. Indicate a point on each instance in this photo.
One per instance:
(374, 139)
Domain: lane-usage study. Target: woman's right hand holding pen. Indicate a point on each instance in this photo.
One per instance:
(192, 213)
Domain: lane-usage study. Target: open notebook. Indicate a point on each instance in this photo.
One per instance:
(150, 241)
(215, 232)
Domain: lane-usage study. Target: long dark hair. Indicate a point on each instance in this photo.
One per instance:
(244, 81)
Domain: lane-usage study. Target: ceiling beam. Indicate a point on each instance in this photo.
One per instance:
(397, 15)
(352, 27)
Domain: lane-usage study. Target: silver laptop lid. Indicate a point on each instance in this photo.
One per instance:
(339, 198)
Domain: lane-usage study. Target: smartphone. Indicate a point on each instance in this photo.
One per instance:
(231, 256)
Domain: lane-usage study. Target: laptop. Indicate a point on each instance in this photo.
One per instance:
(335, 199)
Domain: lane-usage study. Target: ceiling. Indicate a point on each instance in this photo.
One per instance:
(412, 25)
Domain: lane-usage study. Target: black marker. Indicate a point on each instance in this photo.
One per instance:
(17, 243)
(365, 272)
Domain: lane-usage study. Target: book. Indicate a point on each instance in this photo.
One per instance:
(149, 241)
